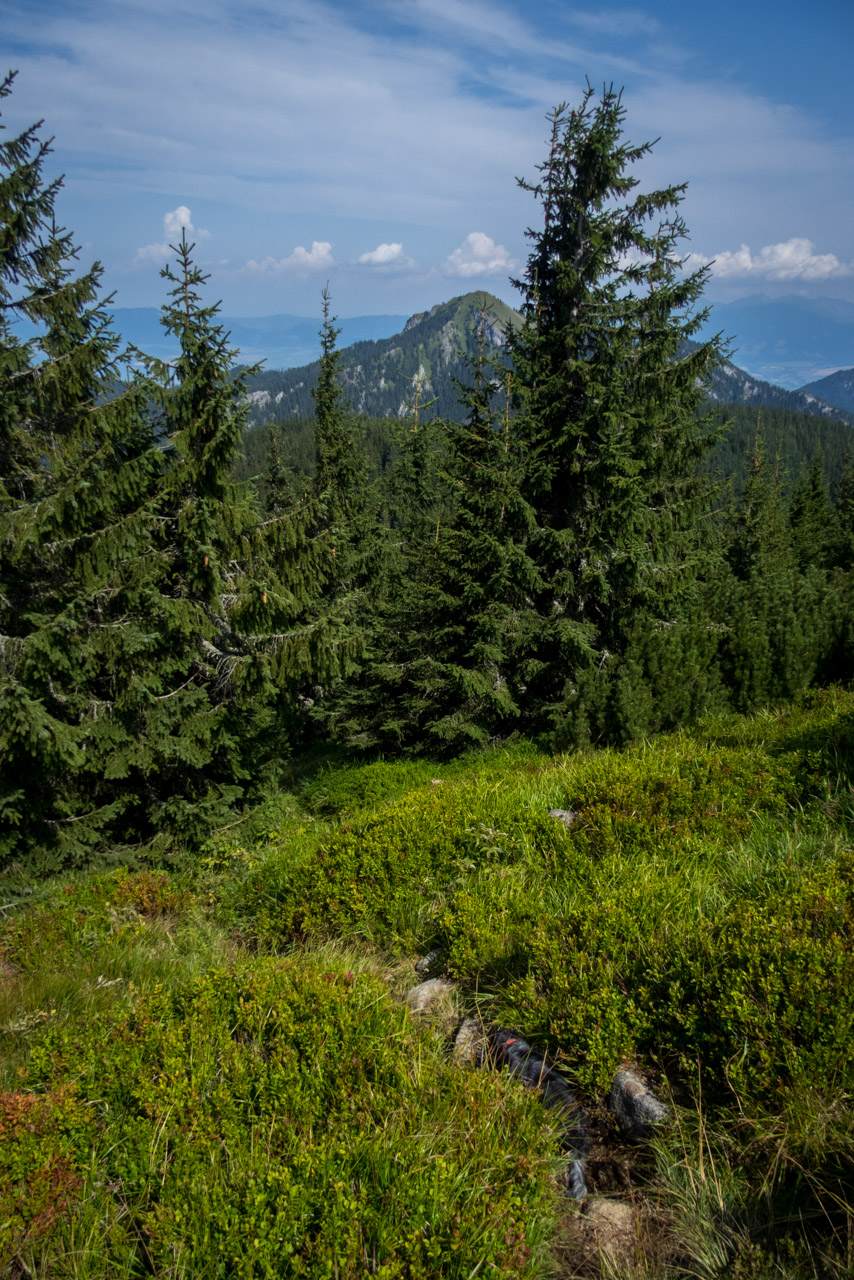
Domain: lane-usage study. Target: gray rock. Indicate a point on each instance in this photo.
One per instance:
(471, 1044)
(433, 1000)
(566, 816)
(430, 965)
(608, 1228)
(638, 1110)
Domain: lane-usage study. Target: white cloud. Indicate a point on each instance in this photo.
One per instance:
(301, 260)
(479, 255)
(386, 255)
(175, 222)
(793, 259)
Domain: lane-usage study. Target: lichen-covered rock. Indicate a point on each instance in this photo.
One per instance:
(433, 1000)
(636, 1108)
(566, 816)
(471, 1043)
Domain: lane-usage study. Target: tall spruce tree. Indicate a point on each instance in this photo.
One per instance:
(79, 464)
(230, 595)
(341, 475)
(608, 393)
(155, 630)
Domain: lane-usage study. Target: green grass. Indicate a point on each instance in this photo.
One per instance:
(206, 1071)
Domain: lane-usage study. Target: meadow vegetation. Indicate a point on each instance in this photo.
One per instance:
(207, 1069)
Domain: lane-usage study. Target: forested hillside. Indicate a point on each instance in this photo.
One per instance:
(379, 378)
(552, 559)
(793, 439)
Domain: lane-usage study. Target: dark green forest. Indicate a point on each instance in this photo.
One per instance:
(583, 554)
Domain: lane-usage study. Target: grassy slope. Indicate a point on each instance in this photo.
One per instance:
(206, 1072)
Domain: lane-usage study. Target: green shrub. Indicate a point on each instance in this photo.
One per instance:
(284, 1119)
(79, 916)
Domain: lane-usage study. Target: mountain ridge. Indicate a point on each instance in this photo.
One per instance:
(836, 389)
(380, 376)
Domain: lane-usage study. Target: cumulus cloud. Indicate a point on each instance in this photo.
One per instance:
(174, 222)
(793, 259)
(301, 260)
(386, 255)
(479, 255)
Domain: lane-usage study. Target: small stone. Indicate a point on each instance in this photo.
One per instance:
(433, 1000)
(638, 1110)
(471, 1044)
(609, 1229)
(431, 964)
(566, 816)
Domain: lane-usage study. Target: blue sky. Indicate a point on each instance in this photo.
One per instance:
(375, 144)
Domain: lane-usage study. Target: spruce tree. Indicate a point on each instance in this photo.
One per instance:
(230, 596)
(378, 705)
(608, 392)
(813, 520)
(842, 580)
(469, 611)
(79, 465)
(844, 508)
(341, 475)
(781, 623)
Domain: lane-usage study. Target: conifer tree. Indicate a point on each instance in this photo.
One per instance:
(341, 476)
(155, 631)
(230, 595)
(813, 520)
(608, 393)
(469, 614)
(781, 624)
(842, 582)
(844, 508)
(79, 465)
(418, 497)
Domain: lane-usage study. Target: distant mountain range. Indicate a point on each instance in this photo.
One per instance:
(784, 348)
(282, 341)
(379, 377)
(837, 389)
(788, 341)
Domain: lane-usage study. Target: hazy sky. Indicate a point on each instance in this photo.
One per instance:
(376, 144)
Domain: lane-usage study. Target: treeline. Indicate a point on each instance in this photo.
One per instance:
(794, 440)
(555, 563)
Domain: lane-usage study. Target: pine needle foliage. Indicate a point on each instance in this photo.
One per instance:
(608, 416)
(79, 463)
(156, 631)
(230, 594)
(470, 612)
(781, 617)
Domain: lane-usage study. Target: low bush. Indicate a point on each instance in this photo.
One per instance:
(695, 906)
(283, 1118)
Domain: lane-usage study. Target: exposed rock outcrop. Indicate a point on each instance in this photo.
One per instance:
(636, 1108)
